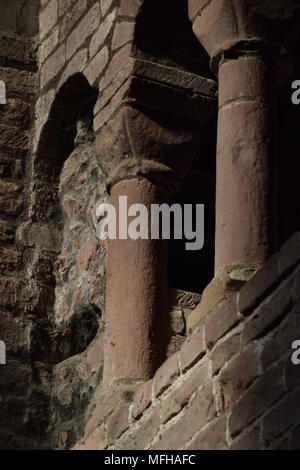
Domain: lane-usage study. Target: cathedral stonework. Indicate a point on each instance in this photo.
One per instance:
(136, 342)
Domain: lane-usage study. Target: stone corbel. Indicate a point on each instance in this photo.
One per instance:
(139, 143)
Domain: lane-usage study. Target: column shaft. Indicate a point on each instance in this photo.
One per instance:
(136, 295)
(246, 162)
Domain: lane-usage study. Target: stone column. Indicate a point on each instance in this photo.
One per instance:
(146, 156)
(136, 295)
(246, 199)
(246, 65)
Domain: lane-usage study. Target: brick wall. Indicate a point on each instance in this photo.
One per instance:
(92, 37)
(232, 385)
(69, 65)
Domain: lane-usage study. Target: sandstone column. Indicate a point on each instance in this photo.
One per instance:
(136, 293)
(146, 156)
(245, 63)
(246, 200)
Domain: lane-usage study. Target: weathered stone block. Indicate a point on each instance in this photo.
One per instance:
(180, 397)
(96, 441)
(10, 260)
(14, 138)
(267, 313)
(259, 286)
(129, 8)
(105, 6)
(10, 197)
(116, 63)
(48, 45)
(71, 17)
(102, 33)
(221, 320)
(263, 393)
(166, 375)
(7, 232)
(53, 65)
(16, 113)
(224, 351)
(249, 440)
(96, 66)
(212, 437)
(84, 29)
(146, 432)
(20, 83)
(17, 48)
(239, 374)
(123, 33)
(43, 236)
(192, 350)
(117, 423)
(142, 399)
(48, 18)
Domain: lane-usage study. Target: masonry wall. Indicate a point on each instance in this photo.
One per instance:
(23, 383)
(232, 385)
(73, 42)
(58, 54)
(69, 66)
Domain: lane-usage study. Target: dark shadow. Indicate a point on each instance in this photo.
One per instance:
(289, 162)
(193, 270)
(164, 34)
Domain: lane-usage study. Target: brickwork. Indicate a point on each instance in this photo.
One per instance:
(102, 92)
(229, 387)
(77, 37)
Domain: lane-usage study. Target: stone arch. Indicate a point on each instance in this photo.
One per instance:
(67, 262)
(74, 102)
(68, 132)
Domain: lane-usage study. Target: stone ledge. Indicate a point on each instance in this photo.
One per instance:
(270, 275)
(161, 88)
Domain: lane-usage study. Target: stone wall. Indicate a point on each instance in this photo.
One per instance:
(77, 72)
(24, 389)
(232, 385)
(91, 61)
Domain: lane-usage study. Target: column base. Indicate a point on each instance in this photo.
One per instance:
(227, 280)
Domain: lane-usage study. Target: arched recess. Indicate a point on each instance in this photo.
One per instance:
(164, 34)
(64, 167)
(67, 185)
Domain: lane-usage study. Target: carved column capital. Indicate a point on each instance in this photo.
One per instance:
(229, 29)
(140, 143)
(272, 52)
